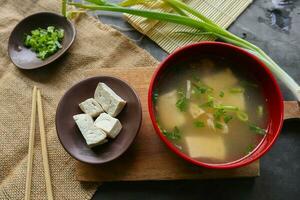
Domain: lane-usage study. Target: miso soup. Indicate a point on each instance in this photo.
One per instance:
(210, 109)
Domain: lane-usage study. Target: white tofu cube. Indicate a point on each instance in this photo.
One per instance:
(91, 107)
(221, 80)
(170, 116)
(110, 125)
(92, 135)
(208, 147)
(109, 100)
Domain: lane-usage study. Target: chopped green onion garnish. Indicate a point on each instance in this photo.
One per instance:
(237, 90)
(250, 148)
(227, 107)
(45, 42)
(227, 118)
(218, 125)
(199, 124)
(173, 135)
(218, 114)
(155, 96)
(241, 115)
(182, 102)
(257, 129)
(221, 94)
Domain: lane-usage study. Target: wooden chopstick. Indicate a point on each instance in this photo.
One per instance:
(44, 146)
(31, 145)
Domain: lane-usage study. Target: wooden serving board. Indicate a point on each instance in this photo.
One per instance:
(148, 158)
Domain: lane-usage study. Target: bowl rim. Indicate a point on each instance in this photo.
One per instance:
(121, 152)
(229, 165)
(56, 55)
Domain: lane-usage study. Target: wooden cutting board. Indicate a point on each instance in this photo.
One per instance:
(148, 158)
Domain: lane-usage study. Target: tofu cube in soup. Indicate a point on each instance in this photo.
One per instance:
(110, 125)
(92, 135)
(91, 107)
(221, 80)
(109, 100)
(206, 147)
(170, 116)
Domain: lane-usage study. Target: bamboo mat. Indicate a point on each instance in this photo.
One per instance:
(223, 12)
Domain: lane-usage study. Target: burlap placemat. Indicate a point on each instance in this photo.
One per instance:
(96, 46)
(222, 12)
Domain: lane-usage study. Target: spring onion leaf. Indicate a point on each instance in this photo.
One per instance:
(199, 124)
(218, 114)
(218, 125)
(195, 19)
(237, 90)
(155, 96)
(173, 135)
(250, 148)
(227, 107)
(209, 103)
(221, 94)
(257, 129)
(241, 115)
(182, 102)
(227, 118)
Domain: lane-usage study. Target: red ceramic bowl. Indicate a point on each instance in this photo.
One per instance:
(252, 65)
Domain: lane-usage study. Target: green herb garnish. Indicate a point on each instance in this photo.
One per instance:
(227, 118)
(221, 94)
(257, 129)
(45, 42)
(200, 88)
(209, 103)
(237, 90)
(155, 96)
(199, 124)
(250, 148)
(173, 135)
(218, 114)
(241, 115)
(182, 102)
(218, 125)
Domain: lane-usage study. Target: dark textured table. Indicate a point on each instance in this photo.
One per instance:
(274, 25)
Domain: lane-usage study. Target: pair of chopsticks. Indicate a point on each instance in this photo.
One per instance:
(37, 104)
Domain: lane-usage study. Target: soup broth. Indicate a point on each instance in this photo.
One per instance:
(211, 110)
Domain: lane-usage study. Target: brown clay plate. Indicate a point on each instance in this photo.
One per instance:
(70, 136)
(23, 57)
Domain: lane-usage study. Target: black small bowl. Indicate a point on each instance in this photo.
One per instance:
(22, 56)
(69, 134)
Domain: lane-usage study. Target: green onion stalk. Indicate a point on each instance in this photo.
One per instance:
(187, 16)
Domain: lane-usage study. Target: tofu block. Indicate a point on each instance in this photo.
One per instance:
(169, 114)
(110, 125)
(236, 99)
(203, 146)
(195, 110)
(220, 80)
(92, 135)
(91, 107)
(109, 100)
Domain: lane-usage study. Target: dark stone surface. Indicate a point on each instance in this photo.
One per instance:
(274, 26)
